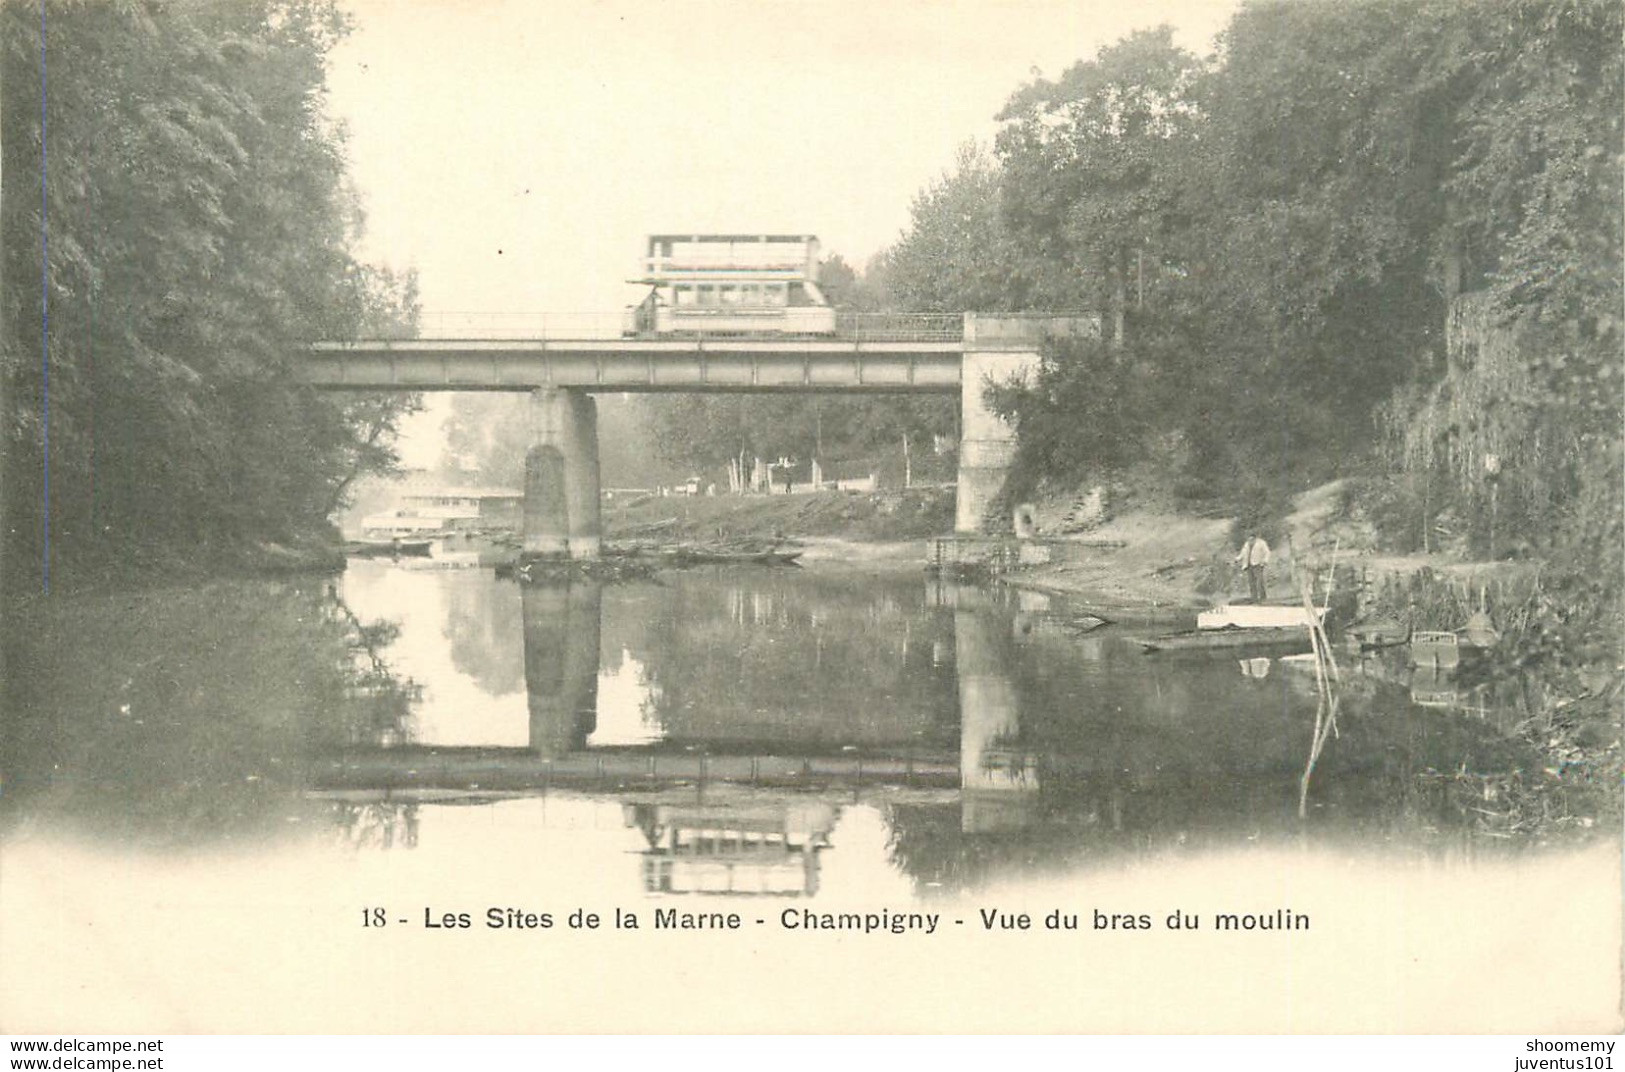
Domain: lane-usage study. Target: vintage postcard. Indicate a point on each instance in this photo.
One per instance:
(848, 518)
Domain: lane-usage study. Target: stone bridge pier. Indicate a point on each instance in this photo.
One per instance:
(997, 350)
(562, 515)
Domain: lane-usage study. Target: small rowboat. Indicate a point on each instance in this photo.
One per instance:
(1479, 632)
(1257, 616)
(699, 556)
(1378, 633)
(1438, 650)
(1086, 623)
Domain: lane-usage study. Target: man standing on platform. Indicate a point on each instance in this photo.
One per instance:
(1252, 558)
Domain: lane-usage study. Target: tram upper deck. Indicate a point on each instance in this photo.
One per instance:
(730, 284)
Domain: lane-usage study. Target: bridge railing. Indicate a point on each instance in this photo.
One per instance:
(900, 327)
(863, 327)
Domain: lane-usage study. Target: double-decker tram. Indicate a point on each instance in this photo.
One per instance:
(730, 285)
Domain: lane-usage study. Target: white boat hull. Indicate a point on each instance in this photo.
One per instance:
(1255, 616)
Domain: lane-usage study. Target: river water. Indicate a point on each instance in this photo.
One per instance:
(245, 763)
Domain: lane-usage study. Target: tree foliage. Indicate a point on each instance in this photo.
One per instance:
(193, 235)
(957, 254)
(1093, 165)
(1539, 185)
(1279, 237)
(1088, 411)
(488, 434)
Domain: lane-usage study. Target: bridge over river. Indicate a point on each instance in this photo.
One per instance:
(895, 353)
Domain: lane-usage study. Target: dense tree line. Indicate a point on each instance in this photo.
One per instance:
(193, 230)
(1377, 238)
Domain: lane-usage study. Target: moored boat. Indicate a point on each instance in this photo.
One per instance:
(1436, 649)
(702, 556)
(1292, 638)
(1257, 616)
(1086, 623)
(1479, 632)
(1375, 634)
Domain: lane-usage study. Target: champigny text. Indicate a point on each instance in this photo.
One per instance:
(805, 919)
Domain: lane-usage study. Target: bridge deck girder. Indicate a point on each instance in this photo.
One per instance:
(511, 769)
(637, 365)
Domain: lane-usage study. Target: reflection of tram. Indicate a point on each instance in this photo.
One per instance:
(730, 284)
(769, 849)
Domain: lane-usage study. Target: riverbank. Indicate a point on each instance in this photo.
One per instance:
(1565, 707)
(1153, 556)
(1159, 555)
(1140, 561)
(137, 566)
(1165, 564)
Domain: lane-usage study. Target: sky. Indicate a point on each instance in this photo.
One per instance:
(516, 152)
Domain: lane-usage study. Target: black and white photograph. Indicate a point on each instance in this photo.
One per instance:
(994, 517)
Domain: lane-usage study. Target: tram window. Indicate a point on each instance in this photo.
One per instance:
(683, 294)
(730, 294)
(750, 294)
(774, 294)
(706, 294)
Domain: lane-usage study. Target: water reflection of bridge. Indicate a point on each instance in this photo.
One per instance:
(1055, 755)
(498, 770)
(562, 628)
(562, 641)
(821, 737)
